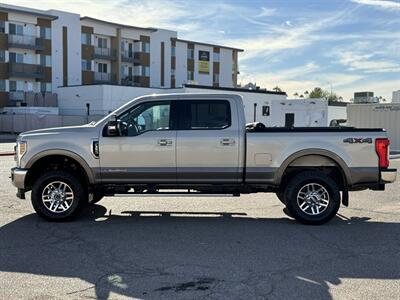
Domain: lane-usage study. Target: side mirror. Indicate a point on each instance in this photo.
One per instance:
(112, 126)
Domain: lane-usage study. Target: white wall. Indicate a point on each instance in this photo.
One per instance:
(72, 22)
(377, 116)
(181, 64)
(225, 68)
(155, 57)
(337, 112)
(396, 96)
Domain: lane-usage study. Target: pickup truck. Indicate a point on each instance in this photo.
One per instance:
(197, 145)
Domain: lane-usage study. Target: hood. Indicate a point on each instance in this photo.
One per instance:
(56, 131)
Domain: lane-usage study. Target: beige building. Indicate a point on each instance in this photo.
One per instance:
(41, 51)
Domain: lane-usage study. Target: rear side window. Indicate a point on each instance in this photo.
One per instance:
(206, 115)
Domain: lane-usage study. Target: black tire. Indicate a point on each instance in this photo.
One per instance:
(312, 180)
(79, 196)
(281, 197)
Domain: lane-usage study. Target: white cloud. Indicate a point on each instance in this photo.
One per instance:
(366, 62)
(385, 4)
(266, 12)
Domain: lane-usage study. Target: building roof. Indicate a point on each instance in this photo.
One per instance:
(23, 10)
(119, 25)
(338, 103)
(207, 44)
(260, 91)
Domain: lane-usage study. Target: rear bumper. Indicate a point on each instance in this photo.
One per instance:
(18, 177)
(388, 176)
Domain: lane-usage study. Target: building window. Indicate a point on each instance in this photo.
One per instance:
(86, 39)
(45, 60)
(16, 85)
(45, 87)
(2, 26)
(2, 56)
(102, 68)
(45, 33)
(216, 57)
(86, 65)
(145, 47)
(146, 71)
(190, 53)
(2, 85)
(190, 75)
(102, 43)
(173, 49)
(216, 78)
(172, 73)
(16, 29)
(16, 57)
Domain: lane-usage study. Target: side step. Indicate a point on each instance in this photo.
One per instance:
(165, 194)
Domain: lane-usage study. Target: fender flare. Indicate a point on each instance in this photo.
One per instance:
(67, 153)
(314, 151)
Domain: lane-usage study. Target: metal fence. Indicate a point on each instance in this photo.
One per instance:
(17, 123)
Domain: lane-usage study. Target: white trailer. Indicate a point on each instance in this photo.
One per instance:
(377, 116)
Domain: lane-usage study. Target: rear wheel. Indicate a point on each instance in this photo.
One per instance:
(312, 197)
(58, 196)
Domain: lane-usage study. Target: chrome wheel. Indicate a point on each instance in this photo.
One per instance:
(313, 199)
(57, 197)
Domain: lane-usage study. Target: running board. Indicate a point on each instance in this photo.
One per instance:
(175, 195)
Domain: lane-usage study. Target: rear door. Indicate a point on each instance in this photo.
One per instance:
(207, 142)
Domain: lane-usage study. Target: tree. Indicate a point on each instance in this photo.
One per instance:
(306, 93)
(296, 94)
(277, 89)
(301, 96)
(319, 93)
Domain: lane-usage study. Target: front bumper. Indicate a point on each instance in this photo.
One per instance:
(18, 177)
(388, 176)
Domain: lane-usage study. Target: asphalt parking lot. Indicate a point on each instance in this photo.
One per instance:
(205, 248)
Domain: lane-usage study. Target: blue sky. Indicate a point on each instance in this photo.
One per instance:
(346, 45)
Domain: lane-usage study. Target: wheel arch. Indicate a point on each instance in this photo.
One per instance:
(314, 158)
(60, 153)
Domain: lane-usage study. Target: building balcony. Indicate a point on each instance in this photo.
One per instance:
(17, 96)
(25, 70)
(129, 57)
(25, 42)
(100, 77)
(105, 53)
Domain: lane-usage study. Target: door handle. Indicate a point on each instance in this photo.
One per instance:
(227, 142)
(165, 142)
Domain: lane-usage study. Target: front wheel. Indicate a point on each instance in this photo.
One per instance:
(312, 197)
(58, 196)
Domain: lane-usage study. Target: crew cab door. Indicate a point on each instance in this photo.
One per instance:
(207, 142)
(145, 150)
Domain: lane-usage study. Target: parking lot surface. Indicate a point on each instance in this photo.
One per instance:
(199, 248)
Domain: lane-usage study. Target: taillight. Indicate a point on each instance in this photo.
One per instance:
(382, 149)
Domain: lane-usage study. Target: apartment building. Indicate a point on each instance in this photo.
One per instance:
(41, 51)
(25, 57)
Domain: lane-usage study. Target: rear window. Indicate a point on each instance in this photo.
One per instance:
(206, 114)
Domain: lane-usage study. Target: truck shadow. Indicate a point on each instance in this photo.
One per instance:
(153, 255)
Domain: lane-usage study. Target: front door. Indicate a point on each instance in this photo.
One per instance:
(207, 142)
(145, 150)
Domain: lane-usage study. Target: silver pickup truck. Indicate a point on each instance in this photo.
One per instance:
(197, 144)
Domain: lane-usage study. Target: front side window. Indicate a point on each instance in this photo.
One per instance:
(206, 115)
(150, 116)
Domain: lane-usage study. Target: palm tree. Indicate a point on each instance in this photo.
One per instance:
(301, 96)
(306, 93)
(277, 89)
(296, 94)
